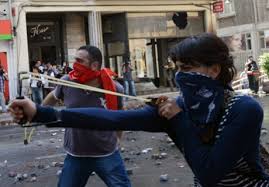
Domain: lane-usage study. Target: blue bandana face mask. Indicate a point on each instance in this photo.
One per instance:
(203, 97)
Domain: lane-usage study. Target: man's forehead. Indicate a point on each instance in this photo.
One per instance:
(81, 54)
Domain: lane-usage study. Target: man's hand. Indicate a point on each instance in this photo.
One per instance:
(22, 108)
(168, 108)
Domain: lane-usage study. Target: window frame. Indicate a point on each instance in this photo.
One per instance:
(266, 46)
(248, 37)
(262, 36)
(227, 14)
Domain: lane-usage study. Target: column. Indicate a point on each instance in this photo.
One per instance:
(95, 30)
(21, 45)
(210, 20)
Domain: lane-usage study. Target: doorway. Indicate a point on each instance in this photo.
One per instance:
(45, 38)
(48, 54)
(3, 61)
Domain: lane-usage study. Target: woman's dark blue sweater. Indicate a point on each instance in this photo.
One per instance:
(233, 159)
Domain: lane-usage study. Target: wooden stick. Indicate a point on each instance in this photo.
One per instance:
(82, 86)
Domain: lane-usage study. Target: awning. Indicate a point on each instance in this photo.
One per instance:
(5, 30)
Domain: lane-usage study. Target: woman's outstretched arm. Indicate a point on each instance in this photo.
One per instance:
(145, 119)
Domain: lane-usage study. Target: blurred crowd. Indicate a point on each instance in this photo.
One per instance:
(40, 88)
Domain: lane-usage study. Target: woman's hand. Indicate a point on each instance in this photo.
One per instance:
(22, 108)
(168, 108)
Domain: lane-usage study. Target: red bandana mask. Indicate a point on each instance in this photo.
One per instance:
(83, 74)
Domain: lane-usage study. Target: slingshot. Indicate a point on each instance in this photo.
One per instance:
(38, 77)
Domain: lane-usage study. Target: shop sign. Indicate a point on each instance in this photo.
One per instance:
(41, 33)
(37, 30)
(218, 7)
(5, 30)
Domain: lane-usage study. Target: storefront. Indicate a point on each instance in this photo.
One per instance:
(5, 51)
(44, 40)
(55, 37)
(151, 36)
(147, 39)
(53, 30)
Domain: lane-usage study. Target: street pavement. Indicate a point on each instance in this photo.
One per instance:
(147, 156)
(38, 159)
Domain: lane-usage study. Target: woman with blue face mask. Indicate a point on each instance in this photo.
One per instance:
(216, 129)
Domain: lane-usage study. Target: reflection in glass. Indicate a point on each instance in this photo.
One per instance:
(112, 64)
(119, 65)
(141, 58)
(236, 42)
(266, 38)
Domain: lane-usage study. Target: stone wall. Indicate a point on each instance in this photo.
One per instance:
(75, 33)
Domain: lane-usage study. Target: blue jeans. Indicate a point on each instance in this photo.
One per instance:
(3, 102)
(37, 95)
(129, 87)
(110, 169)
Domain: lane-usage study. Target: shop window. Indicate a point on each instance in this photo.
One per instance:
(112, 64)
(264, 39)
(141, 58)
(119, 65)
(229, 9)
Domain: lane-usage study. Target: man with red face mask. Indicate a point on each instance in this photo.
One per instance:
(88, 150)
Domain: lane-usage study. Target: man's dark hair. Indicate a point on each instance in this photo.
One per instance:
(94, 53)
(36, 68)
(126, 57)
(206, 49)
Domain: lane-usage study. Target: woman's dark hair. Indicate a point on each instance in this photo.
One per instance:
(94, 53)
(205, 49)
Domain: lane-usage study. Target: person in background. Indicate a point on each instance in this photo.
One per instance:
(48, 87)
(253, 74)
(49, 69)
(244, 82)
(56, 71)
(169, 73)
(40, 66)
(3, 78)
(37, 87)
(66, 68)
(129, 85)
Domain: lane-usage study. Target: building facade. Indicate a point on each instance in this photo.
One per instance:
(52, 30)
(244, 26)
(6, 44)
